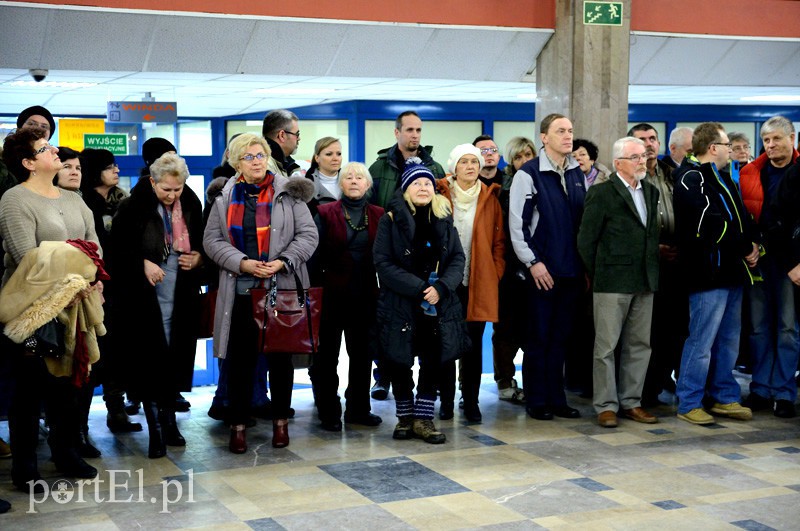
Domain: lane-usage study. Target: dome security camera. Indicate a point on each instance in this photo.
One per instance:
(38, 74)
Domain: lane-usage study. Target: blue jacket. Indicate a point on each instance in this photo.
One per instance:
(543, 220)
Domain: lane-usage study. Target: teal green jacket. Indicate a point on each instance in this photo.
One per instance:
(386, 174)
(620, 253)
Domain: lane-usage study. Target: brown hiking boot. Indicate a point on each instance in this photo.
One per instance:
(403, 429)
(425, 430)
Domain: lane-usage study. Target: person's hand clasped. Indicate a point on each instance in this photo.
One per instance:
(431, 295)
(794, 275)
(189, 261)
(541, 276)
(752, 258)
(261, 269)
(153, 272)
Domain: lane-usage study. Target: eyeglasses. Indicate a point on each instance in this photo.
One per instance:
(742, 148)
(634, 158)
(37, 125)
(727, 144)
(114, 166)
(297, 134)
(488, 151)
(249, 157)
(45, 147)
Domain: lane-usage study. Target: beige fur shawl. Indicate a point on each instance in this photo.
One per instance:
(45, 283)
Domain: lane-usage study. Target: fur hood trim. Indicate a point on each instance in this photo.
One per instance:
(215, 188)
(300, 188)
(45, 308)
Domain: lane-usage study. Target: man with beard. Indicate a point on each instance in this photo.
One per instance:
(669, 304)
(391, 163)
(282, 132)
(717, 242)
(618, 242)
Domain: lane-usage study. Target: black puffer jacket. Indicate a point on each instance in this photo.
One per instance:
(401, 290)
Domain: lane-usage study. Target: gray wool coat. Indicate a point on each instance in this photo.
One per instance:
(294, 236)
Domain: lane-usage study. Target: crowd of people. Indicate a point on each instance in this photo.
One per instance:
(616, 283)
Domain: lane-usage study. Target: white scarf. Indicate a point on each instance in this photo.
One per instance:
(466, 204)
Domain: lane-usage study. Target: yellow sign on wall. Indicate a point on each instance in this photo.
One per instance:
(71, 130)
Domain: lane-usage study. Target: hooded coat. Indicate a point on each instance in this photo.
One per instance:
(401, 291)
(294, 236)
(137, 233)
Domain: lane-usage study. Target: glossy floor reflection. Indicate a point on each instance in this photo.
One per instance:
(510, 472)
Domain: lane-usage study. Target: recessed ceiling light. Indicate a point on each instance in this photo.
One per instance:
(772, 98)
(294, 90)
(49, 84)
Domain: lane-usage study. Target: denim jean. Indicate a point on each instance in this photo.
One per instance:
(260, 397)
(710, 352)
(774, 342)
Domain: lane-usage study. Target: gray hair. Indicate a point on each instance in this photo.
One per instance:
(777, 123)
(678, 132)
(619, 146)
(738, 137)
(358, 169)
(169, 164)
(276, 121)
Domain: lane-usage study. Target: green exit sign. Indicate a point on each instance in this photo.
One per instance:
(602, 13)
(116, 143)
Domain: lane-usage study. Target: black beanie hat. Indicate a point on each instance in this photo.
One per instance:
(153, 148)
(93, 162)
(41, 111)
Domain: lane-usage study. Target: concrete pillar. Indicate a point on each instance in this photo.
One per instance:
(582, 73)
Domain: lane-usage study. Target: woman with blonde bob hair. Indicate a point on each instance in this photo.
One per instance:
(420, 263)
(347, 230)
(324, 171)
(259, 227)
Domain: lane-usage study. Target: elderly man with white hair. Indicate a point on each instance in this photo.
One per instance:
(618, 242)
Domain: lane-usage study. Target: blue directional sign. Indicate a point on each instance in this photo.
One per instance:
(134, 112)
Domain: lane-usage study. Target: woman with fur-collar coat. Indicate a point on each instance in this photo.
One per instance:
(259, 227)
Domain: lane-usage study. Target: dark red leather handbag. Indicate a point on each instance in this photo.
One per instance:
(288, 319)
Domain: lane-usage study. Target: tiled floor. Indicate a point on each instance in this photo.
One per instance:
(510, 472)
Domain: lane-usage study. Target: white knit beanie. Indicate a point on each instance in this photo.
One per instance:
(458, 152)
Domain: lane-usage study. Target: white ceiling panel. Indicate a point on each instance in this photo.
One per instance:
(214, 65)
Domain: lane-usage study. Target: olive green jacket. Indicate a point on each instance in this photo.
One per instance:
(620, 253)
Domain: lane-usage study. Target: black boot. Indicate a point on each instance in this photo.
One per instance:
(169, 427)
(84, 446)
(157, 448)
(69, 463)
(61, 440)
(117, 420)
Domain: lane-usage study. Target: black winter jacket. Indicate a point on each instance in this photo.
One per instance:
(713, 229)
(401, 291)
